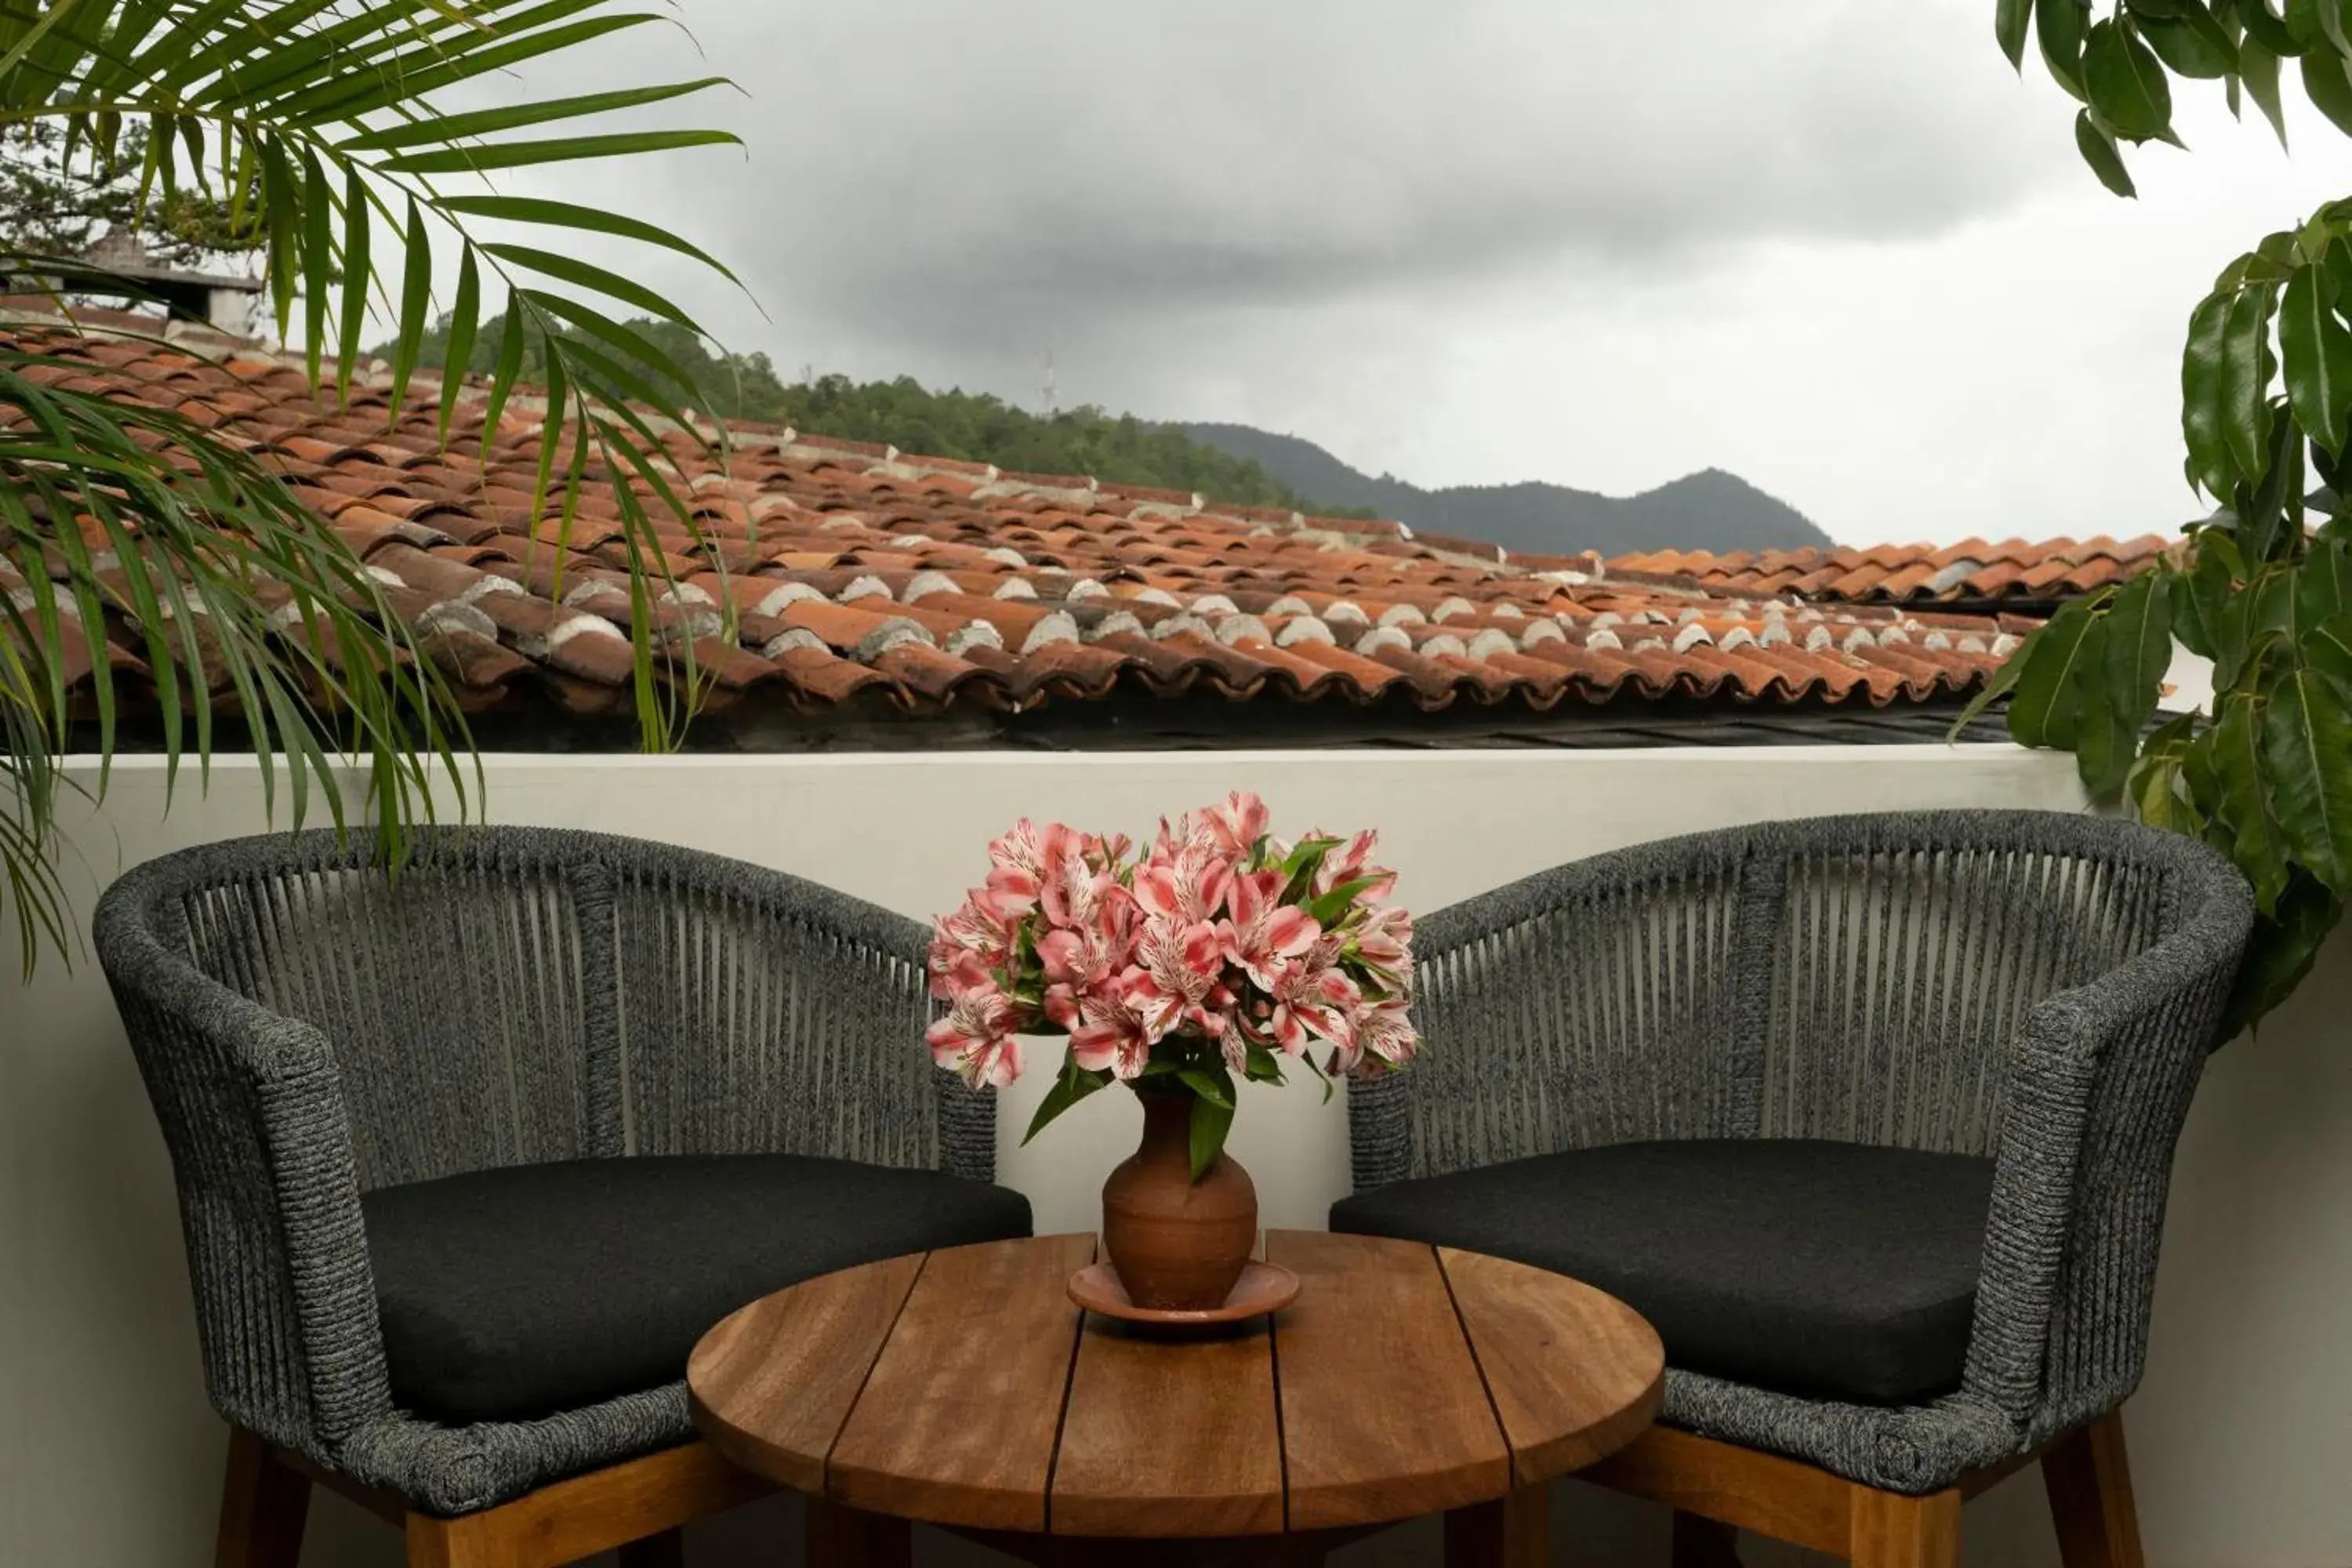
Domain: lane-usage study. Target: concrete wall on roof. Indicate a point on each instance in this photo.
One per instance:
(109, 1453)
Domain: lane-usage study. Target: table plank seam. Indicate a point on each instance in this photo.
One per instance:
(1486, 1385)
(1062, 1417)
(1281, 1434)
(881, 1343)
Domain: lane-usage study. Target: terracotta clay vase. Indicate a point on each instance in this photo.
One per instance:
(1178, 1245)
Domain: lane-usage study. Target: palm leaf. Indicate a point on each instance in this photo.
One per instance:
(321, 112)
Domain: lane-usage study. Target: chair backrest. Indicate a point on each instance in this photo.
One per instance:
(518, 995)
(1908, 951)
(1859, 978)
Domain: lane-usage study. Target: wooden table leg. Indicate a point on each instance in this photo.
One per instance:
(1513, 1531)
(844, 1536)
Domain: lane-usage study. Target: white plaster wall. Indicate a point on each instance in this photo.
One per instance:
(109, 1455)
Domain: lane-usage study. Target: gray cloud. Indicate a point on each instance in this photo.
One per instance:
(974, 176)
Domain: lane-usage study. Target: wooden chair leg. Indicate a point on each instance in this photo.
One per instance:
(666, 1549)
(263, 1507)
(844, 1536)
(1513, 1531)
(1704, 1542)
(1887, 1530)
(2089, 1482)
(474, 1540)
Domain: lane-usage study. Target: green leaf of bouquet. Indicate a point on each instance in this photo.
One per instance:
(1201, 1081)
(1210, 1122)
(1072, 1085)
(1327, 908)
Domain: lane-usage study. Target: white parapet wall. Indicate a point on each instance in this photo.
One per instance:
(108, 1456)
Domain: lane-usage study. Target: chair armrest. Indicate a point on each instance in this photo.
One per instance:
(2099, 1088)
(252, 1112)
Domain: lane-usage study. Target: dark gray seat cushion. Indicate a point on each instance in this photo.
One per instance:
(514, 1293)
(1830, 1270)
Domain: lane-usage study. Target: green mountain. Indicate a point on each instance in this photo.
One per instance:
(1710, 510)
(1117, 448)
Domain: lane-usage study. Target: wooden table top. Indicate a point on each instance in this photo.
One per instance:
(963, 1387)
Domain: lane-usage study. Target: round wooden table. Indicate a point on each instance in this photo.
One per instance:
(963, 1388)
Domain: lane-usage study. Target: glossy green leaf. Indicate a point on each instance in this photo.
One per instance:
(2193, 45)
(1999, 684)
(2327, 648)
(1211, 1122)
(2138, 645)
(2284, 944)
(2127, 83)
(2307, 764)
(2329, 87)
(2202, 421)
(2270, 514)
(1201, 1081)
(2058, 29)
(2316, 353)
(2099, 151)
(2242, 385)
(2258, 69)
(2043, 710)
(2235, 753)
(2159, 790)
(2008, 21)
(2266, 29)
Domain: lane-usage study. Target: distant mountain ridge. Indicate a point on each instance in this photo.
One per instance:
(1710, 510)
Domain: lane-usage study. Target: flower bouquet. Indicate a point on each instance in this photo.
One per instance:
(1218, 954)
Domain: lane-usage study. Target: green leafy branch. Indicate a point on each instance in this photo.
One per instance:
(2265, 773)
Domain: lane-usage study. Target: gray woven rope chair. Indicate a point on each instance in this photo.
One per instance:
(1874, 1117)
(397, 1111)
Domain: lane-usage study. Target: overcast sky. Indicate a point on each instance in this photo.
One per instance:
(1832, 246)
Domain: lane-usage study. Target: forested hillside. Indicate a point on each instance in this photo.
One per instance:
(1116, 447)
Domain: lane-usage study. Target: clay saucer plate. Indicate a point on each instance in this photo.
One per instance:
(1262, 1287)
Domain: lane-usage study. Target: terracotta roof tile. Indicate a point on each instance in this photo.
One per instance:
(1970, 571)
(821, 572)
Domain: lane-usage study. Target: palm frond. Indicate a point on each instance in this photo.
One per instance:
(316, 119)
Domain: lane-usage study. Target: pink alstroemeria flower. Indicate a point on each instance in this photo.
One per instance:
(1385, 1038)
(1351, 862)
(975, 1040)
(1236, 827)
(1314, 997)
(1263, 935)
(1110, 1035)
(1177, 978)
(1089, 957)
(1385, 941)
(1187, 888)
(965, 946)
